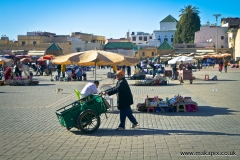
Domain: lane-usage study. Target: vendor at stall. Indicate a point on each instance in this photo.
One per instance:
(153, 67)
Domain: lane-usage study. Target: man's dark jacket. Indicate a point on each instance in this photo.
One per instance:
(124, 94)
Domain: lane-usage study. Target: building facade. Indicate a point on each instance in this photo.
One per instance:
(146, 52)
(167, 30)
(89, 38)
(124, 48)
(141, 38)
(208, 36)
(237, 46)
(39, 42)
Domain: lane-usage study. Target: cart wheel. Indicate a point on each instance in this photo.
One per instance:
(88, 121)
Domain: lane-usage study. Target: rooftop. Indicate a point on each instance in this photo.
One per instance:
(54, 47)
(119, 45)
(169, 18)
(165, 46)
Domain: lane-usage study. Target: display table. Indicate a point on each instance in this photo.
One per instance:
(186, 106)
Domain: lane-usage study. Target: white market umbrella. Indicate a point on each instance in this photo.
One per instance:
(182, 58)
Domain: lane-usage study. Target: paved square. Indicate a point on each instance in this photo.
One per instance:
(29, 128)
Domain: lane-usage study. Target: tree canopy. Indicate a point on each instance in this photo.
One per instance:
(188, 24)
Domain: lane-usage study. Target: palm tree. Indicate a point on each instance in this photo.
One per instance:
(189, 9)
(188, 24)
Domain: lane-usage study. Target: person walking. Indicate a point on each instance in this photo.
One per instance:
(180, 67)
(174, 69)
(124, 100)
(225, 63)
(114, 68)
(59, 70)
(78, 72)
(63, 70)
(220, 66)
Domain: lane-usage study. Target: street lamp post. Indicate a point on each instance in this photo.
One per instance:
(217, 15)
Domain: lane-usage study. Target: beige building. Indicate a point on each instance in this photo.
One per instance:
(38, 42)
(89, 38)
(146, 52)
(4, 40)
(237, 46)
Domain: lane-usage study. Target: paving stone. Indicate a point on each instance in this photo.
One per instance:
(29, 128)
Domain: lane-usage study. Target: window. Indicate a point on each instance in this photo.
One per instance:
(150, 37)
(171, 39)
(34, 42)
(152, 53)
(165, 39)
(222, 37)
(23, 42)
(140, 38)
(78, 49)
(221, 46)
(143, 54)
(145, 38)
(133, 38)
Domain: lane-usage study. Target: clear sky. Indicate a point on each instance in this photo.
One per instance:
(110, 18)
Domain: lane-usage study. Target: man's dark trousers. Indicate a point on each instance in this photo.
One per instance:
(126, 112)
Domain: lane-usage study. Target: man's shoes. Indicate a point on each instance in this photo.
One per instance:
(134, 125)
(120, 129)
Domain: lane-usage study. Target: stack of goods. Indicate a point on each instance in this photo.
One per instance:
(158, 80)
(20, 81)
(143, 82)
(159, 105)
(179, 99)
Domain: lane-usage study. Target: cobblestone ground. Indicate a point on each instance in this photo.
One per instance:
(29, 128)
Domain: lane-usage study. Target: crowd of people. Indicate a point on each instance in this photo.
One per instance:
(76, 73)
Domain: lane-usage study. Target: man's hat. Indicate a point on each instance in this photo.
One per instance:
(121, 72)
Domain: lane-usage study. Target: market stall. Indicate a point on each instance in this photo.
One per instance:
(149, 81)
(175, 104)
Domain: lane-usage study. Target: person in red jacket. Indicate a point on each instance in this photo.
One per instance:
(220, 66)
(7, 73)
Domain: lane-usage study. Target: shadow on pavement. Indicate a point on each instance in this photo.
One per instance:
(197, 83)
(226, 80)
(148, 131)
(203, 111)
(45, 84)
(164, 85)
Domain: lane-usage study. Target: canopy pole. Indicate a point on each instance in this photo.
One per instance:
(95, 70)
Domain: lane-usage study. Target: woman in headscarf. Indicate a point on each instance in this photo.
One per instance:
(7, 73)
